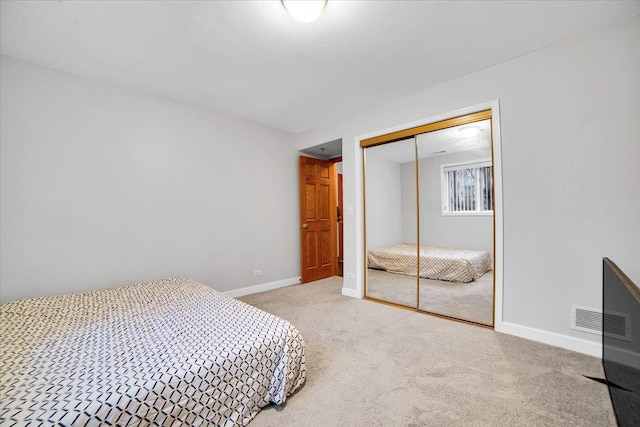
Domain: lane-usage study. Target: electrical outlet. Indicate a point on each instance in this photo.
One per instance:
(257, 272)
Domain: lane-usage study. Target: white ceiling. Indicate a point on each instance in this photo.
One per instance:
(249, 59)
(326, 151)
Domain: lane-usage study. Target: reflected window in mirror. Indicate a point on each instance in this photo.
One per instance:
(467, 188)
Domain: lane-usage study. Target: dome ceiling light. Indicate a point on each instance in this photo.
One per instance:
(304, 10)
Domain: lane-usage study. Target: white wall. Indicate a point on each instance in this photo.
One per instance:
(384, 203)
(409, 213)
(571, 169)
(102, 186)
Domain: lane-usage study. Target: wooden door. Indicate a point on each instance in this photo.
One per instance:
(318, 219)
(340, 227)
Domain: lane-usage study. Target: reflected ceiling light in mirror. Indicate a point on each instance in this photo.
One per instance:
(469, 130)
(304, 10)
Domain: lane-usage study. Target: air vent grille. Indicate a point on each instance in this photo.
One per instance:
(588, 319)
(616, 325)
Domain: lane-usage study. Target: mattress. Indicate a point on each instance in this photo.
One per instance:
(169, 352)
(454, 265)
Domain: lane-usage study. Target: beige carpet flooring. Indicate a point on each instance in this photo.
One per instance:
(370, 364)
(469, 301)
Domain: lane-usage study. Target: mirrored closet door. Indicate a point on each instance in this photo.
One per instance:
(390, 198)
(429, 227)
(456, 222)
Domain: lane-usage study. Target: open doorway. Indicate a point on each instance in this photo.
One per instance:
(321, 219)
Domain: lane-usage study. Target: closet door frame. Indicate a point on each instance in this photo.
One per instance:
(461, 117)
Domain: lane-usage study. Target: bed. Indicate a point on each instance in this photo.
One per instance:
(453, 265)
(168, 352)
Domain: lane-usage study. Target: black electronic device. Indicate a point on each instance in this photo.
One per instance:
(621, 342)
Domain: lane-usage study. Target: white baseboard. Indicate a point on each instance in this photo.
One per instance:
(579, 345)
(234, 293)
(352, 293)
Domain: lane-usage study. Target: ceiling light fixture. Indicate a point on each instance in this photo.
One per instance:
(469, 130)
(304, 10)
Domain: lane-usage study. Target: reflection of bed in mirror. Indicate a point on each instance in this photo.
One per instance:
(448, 264)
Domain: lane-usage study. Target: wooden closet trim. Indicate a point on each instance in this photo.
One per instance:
(411, 132)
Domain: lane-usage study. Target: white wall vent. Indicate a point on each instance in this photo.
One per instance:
(616, 325)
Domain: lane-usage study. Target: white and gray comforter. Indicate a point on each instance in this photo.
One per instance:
(169, 352)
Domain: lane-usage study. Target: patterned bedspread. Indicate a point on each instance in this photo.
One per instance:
(454, 265)
(169, 352)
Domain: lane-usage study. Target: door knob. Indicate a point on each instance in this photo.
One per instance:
(305, 226)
